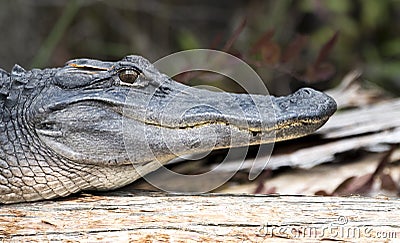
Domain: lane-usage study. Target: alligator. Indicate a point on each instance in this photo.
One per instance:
(67, 129)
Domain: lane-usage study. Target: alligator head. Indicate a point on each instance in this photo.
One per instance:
(101, 125)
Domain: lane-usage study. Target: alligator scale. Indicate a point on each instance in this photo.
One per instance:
(63, 130)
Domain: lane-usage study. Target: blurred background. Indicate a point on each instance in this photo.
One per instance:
(290, 43)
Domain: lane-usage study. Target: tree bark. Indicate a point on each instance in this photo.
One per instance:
(153, 216)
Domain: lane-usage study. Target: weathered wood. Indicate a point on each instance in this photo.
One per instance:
(123, 216)
(379, 117)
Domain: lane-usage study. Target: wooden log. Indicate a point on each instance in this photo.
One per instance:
(154, 216)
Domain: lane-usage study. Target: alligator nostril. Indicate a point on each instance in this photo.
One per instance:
(307, 91)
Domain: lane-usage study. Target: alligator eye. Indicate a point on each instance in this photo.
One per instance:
(128, 76)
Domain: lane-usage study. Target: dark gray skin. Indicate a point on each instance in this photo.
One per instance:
(94, 125)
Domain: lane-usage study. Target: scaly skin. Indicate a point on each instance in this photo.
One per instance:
(83, 126)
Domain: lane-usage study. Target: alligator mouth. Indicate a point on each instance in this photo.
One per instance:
(306, 125)
(280, 126)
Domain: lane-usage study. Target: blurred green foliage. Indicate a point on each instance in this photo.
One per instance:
(47, 33)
